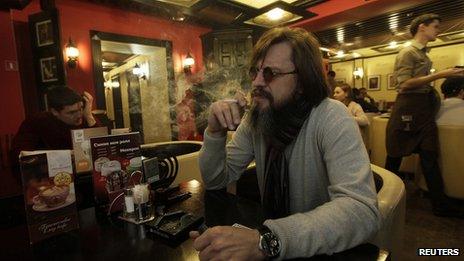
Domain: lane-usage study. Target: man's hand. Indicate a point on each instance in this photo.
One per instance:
(87, 111)
(226, 115)
(228, 243)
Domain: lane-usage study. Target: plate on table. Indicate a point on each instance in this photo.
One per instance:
(42, 207)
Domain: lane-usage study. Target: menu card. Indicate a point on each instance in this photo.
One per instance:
(49, 196)
(115, 157)
(81, 147)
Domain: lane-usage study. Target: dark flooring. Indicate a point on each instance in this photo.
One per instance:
(424, 230)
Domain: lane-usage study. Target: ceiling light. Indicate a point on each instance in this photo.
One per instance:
(258, 4)
(184, 3)
(393, 22)
(340, 54)
(324, 49)
(275, 14)
(274, 17)
(340, 35)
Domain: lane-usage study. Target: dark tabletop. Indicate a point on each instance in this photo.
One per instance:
(104, 238)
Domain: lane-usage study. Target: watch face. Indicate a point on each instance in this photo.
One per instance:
(270, 244)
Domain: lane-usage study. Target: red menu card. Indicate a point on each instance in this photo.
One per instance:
(114, 157)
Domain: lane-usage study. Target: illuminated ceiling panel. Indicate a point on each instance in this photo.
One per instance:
(258, 4)
(269, 19)
(184, 3)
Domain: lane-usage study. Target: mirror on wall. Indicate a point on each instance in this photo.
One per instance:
(134, 84)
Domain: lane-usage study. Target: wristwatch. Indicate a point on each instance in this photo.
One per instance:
(269, 243)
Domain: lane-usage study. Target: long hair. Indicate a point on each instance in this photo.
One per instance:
(306, 56)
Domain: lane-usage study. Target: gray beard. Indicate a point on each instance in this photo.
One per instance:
(261, 121)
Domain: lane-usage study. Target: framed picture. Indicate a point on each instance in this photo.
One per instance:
(44, 29)
(391, 84)
(373, 83)
(48, 69)
(340, 80)
(44, 33)
(47, 50)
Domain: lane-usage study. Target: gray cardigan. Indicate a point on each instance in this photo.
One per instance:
(332, 195)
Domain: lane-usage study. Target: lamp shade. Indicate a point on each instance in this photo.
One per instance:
(189, 61)
(71, 50)
(72, 53)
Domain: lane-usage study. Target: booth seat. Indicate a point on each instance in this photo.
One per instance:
(366, 131)
(186, 152)
(451, 161)
(391, 196)
(378, 154)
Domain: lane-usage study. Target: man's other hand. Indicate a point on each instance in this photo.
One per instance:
(228, 243)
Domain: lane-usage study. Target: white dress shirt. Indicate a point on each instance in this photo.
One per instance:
(451, 112)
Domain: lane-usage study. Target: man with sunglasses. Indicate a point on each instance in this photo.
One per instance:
(313, 171)
(51, 130)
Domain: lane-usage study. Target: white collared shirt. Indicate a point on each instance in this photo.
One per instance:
(451, 112)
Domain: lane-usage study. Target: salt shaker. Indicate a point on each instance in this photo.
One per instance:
(128, 202)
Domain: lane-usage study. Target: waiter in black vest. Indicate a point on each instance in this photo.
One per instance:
(412, 128)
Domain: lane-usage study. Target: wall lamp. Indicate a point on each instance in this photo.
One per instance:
(188, 62)
(139, 71)
(72, 53)
(358, 73)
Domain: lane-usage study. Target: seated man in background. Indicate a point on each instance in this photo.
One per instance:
(51, 130)
(366, 97)
(313, 170)
(452, 108)
(359, 98)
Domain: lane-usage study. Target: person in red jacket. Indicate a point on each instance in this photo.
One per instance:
(51, 130)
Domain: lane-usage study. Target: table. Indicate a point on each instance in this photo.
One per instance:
(105, 238)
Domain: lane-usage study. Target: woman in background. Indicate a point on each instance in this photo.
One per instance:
(343, 93)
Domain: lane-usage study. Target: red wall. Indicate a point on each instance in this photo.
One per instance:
(77, 18)
(11, 101)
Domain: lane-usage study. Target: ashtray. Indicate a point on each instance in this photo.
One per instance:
(174, 226)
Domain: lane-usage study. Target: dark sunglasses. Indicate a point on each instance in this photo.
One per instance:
(268, 74)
